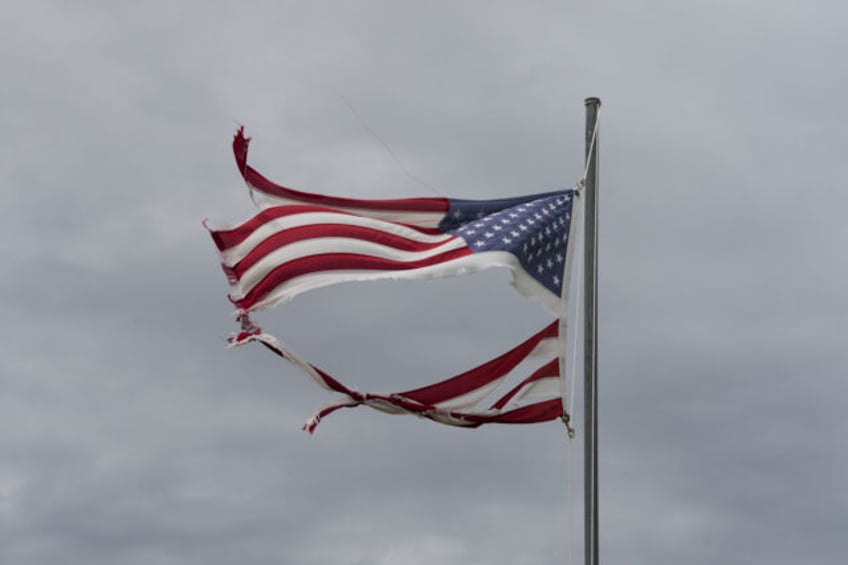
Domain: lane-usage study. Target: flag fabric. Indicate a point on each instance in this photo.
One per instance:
(300, 241)
(537, 398)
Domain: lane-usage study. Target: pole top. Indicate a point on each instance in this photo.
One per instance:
(592, 101)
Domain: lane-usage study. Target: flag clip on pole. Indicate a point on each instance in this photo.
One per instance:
(590, 334)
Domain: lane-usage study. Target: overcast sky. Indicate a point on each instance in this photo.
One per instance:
(129, 434)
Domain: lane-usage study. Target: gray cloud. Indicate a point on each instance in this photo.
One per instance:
(131, 435)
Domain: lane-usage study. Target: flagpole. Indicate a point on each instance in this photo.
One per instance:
(590, 336)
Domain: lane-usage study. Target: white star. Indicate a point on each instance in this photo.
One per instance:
(479, 243)
(489, 234)
(556, 280)
(541, 269)
(522, 227)
(550, 263)
(559, 257)
(506, 240)
(496, 227)
(457, 214)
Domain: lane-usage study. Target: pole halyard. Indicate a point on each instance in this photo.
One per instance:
(590, 337)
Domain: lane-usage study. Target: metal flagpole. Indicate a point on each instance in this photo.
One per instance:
(590, 337)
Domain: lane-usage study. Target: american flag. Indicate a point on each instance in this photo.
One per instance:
(300, 241)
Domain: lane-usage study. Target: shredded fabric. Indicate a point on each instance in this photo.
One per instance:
(454, 400)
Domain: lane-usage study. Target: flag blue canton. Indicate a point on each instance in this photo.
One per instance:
(535, 231)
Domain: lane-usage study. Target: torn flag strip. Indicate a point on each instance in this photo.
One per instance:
(454, 401)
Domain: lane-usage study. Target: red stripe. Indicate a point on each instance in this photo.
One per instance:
(259, 182)
(532, 413)
(333, 262)
(481, 375)
(313, 423)
(226, 239)
(550, 369)
(302, 233)
(336, 385)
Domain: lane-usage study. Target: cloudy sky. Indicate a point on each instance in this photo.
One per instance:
(129, 434)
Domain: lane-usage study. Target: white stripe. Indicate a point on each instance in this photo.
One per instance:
(472, 397)
(523, 282)
(291, 357)
(383, 406)
(449, 420)
(236, 253)
(421, 219)
(544, 387)
(573, 252)
(323, 245)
